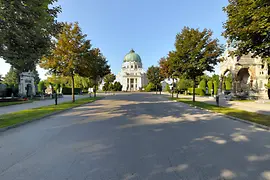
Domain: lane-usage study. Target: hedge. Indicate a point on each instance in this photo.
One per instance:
(198, 91)
(68, 91)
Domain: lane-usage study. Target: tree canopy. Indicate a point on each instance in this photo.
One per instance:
(68, 53)
(154, 76)
(248, 26)
(26, 30)
(94, 66)
(109, 78)
(11, 78)
(196, 52)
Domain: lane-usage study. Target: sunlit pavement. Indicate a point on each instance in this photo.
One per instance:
(36, 104)
(135, 136)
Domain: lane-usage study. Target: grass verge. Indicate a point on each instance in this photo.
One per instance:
(2, 104)
(245, 115)
(10, 119)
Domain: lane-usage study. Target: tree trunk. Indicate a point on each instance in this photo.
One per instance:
(95, 89)
(156, 89)
(172, 86)
(194, 86)
(73, 95)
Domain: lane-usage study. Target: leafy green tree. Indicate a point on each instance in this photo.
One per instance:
(109, 78)
(26, 30)
(154, 76)
(183, 84)
(117, 86)
(41, 87)
(95, 67)
(105, 87)
(11, 78)
(248, 26)
(68, 53)
(36, 76)
(196, 52)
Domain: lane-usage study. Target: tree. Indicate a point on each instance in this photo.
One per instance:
(41, 87)
(26, 29)
(247, 27)
(154, 76)
(94, 66)
(105, 87)
(165, 67)
(109, 78)
(36, 76)
(68, 53)
(183, 84)
(196, 52)
(11, 78)
(117, 86)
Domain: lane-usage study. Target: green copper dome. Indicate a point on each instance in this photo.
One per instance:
(132, 57)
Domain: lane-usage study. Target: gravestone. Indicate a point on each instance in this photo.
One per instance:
(27, 84)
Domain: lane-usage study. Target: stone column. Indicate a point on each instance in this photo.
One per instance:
(129, 86)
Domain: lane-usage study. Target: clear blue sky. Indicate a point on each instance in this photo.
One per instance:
(147, 26)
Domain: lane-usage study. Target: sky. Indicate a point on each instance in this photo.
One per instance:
(147, 26)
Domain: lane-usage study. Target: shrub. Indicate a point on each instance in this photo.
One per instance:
(202, 85)
(117, 86)
(167, 88)
(150, 87)
(215, 87)
(228, 85)
(210, 87)
(41, 87)
(198, 91)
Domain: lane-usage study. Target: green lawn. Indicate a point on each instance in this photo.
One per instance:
(31, 114)
(246, 115)
(2, 104)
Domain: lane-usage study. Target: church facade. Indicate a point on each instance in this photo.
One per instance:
(132, 75)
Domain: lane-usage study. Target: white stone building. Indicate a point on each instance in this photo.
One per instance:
(132, 76)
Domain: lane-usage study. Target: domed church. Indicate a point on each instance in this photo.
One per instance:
(132, 76)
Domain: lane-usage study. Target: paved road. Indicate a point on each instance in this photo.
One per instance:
(135, 136)
(36, 104)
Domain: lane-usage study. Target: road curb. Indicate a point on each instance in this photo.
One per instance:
(46, 116)
(230, 117)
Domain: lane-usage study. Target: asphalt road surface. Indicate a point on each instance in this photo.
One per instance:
(135, 137)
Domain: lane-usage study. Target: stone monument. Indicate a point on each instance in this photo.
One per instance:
(27, 84)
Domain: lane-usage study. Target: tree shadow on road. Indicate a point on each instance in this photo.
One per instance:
(159, 139)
